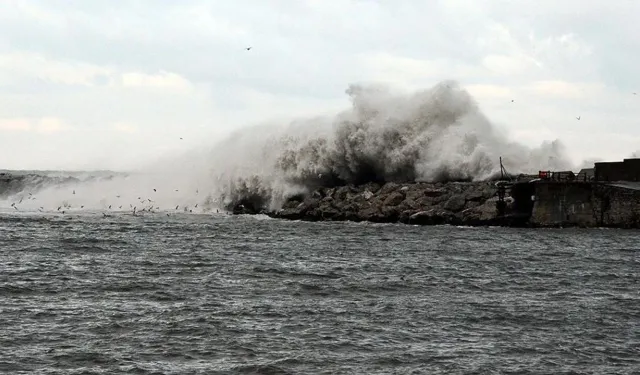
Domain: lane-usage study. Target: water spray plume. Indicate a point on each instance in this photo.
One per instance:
(438, 134)
(433, 135)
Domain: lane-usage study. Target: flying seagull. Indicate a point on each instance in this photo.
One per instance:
(248, 48)
(578, 117)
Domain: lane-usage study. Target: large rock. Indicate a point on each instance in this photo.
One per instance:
(373, 214)
(394, 199)
(482, 214)
(455, 203)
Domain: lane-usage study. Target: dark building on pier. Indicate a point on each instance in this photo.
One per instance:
(626, 170)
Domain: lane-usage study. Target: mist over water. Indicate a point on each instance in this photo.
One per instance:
(437, 134)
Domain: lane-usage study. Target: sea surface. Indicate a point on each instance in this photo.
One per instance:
(219, 294)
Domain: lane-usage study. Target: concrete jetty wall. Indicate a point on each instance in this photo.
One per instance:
(617, 205)
(586, 205)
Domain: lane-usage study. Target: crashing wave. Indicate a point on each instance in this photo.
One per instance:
(433, 135)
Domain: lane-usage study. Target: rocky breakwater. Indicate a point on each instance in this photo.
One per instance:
(11, 184)
(456, 203)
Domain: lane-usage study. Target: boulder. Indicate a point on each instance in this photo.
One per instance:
(389, 188)
(372, 213)
(367, 194)
(431, 192)
(394, 199)
(478, 215)
(455, 203)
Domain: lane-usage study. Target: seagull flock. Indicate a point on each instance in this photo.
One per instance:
(142, 205)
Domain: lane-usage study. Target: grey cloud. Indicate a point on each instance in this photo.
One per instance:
(153, 36)
(610, 28)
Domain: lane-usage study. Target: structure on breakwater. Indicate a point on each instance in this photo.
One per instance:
(607, 195)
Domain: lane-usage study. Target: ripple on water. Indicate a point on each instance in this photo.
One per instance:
(207, 294)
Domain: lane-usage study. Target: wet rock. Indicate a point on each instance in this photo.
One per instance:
(372, 187)
(429, 192)
(370, 214)
(455, 203)
(390, 213)
(291, 203)
(471, 204)
(341, 193)
(367, 194)
(483, 213)
(394, 199)
(389, 188)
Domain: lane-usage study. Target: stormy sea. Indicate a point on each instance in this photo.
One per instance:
(146, 271)
(222, 294)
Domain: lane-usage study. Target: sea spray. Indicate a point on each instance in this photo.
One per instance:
(437, 134)
(432, 135)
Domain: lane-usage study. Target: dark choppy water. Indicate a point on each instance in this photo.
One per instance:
(207, 295)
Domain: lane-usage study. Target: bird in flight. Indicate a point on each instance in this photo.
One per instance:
(248, 48)
(578, 117)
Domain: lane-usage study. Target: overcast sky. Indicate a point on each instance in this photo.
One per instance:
(106, 84)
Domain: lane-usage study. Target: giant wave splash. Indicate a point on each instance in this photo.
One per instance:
(437, 134)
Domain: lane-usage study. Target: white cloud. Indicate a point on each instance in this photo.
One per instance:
(494, 92)
(125, 128)
(50, 125)
(18, 66)
(510, 65)
(162, 80)
(565, 90)
(14, 124)
(47, 125)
